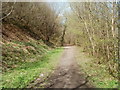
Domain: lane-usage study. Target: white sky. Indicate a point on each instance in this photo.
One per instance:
(59, 0)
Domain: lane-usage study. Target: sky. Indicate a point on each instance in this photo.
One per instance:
(57, 0)
(61, 8)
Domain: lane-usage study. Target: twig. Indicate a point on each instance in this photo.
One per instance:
(9, 12)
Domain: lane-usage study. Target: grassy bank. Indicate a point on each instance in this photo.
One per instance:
(15, 53)
(21, 76)
(99, 76)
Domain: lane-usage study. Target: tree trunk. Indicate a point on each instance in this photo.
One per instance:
(63, 35)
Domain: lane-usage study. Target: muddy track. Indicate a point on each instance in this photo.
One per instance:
(68, 73)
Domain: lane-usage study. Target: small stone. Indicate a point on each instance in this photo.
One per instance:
(41, 75)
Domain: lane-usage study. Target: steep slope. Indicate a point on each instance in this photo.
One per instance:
(19, 46)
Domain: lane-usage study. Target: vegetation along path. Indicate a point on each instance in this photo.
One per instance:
(36, 39)
(67, 74)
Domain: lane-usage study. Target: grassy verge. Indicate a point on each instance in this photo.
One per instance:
(15, 53)
(21, 76)
(99, 76)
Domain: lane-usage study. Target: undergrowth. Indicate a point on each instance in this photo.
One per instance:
(98, 74)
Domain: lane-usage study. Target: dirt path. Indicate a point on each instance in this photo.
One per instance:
(67, 74)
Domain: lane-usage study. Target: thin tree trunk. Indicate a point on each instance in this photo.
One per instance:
(90, 38)
(108, 51)
(63, 35)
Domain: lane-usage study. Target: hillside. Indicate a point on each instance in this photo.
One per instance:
(24, 57)
(19, 46)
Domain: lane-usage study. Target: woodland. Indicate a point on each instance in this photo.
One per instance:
(32, 32)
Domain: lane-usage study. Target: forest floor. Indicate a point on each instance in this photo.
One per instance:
(67, 74)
